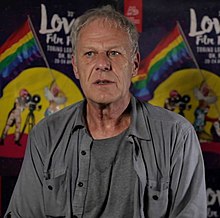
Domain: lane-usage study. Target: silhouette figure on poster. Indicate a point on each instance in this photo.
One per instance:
(206, 97)
(30, 119)
(56, 97)
(177, 101)
(14, 116)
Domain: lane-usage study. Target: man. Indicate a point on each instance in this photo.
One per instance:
(110, 156)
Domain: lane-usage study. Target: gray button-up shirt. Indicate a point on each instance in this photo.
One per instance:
(167, 159)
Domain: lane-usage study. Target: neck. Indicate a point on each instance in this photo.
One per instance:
(107, 120)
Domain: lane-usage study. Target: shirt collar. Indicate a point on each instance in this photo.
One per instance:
(139, 123)
(80, 118)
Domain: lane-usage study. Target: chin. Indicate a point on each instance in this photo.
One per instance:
(104, 100)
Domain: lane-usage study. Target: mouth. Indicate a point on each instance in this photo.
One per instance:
(103, 82)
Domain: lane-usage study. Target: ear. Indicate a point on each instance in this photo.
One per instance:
(136, 61)
(75, 68)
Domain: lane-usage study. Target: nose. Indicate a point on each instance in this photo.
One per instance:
(102, 62)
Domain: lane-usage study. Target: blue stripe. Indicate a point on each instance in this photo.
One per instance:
(25, 56)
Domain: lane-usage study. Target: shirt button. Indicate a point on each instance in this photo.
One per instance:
(155, 197)
(80, 184)
(83, 152)
(50, 187)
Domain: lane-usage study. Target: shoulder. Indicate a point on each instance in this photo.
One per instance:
(60, 122)
(162, 117)
(168, 129)
(68, 113)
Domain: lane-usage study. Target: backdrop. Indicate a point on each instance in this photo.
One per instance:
(180, 52)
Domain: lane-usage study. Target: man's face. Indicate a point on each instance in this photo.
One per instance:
(103, 62)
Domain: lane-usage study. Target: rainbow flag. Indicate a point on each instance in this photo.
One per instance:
(19, 50)
(168, 56)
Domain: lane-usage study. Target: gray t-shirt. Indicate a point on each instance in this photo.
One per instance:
(111, 179)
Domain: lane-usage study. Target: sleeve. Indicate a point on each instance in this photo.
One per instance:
(187, 187)
(27, 198)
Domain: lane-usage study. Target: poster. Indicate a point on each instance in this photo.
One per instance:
(44, 85)
(199, 21)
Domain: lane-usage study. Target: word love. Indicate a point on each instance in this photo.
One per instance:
(56, 24)
(207, 25)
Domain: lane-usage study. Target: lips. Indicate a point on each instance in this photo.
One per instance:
(103, 82)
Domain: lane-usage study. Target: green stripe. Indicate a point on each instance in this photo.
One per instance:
(142, 83)
(158, 64)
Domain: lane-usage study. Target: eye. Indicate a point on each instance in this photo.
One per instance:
(89, 54)
(113, 53)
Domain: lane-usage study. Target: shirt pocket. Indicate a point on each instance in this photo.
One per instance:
(156, 199)
(55, 192)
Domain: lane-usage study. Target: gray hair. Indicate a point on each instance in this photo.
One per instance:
(109, 14)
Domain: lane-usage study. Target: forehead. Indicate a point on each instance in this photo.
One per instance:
(104, 22)
(102, 26)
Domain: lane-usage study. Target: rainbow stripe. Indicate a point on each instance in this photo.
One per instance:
(19, 50)
(168, 56)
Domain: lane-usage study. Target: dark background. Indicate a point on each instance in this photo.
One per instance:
(159, 17)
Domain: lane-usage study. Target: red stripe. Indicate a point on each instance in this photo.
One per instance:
(16, 36)
(12, 150)
(166, 41)
(162, 44)
(213, 147)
